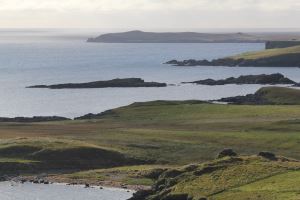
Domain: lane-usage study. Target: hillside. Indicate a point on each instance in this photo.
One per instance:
(268, 96)
(122, 146)
(282, 57)
(238, 178)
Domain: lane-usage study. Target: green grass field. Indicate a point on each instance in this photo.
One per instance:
(161, 135)
(170, 133)
(268, 53)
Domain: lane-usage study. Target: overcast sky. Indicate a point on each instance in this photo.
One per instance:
(150, 14)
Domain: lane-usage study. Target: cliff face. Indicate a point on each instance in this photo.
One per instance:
(281, 44)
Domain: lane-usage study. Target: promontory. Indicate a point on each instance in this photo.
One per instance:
(279, 57)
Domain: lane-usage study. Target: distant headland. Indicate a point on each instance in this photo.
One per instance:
(192, 37)
(175, 37)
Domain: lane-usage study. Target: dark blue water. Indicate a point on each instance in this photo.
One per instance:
(30, 58)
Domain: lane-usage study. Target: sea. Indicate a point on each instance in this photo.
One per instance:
(51, 56)
(30, 191)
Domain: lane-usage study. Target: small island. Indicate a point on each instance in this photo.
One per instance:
(122, 83)
(271, 79)
(280, 57)
(267, 96)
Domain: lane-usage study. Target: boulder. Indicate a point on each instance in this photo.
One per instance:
(227, 152)
(267, 155)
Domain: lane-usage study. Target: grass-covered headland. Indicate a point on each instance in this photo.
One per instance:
(136, 144)
(280, 57)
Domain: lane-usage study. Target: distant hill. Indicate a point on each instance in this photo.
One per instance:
(175, 37)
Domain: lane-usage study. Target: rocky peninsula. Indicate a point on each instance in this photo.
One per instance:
(267, 96)
(122, 83)
(281, 57)
(271, 79)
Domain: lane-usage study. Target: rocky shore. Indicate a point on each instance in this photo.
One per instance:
(56, 179)
(126, 82)
(271, 79)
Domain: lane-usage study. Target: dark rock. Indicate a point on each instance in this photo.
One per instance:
(271, 79)
(177, 197)
(23, 181)
(126, 82)
(206, 170)
(191, 167)
(171, 173)
(87, 185)
(227, 152)
(141, 194)
(154, 174)
(267, 155)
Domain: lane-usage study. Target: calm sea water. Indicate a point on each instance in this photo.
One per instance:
(48, 57)
(29, 191)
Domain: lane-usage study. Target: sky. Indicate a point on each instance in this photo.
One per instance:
(150, 14)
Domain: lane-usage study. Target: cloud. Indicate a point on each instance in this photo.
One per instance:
(122, 5)
(143, 14)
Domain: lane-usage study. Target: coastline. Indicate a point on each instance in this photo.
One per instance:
(56, 179)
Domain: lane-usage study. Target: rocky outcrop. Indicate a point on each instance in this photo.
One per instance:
(227, 152)
(267, 155)
(126, 82)
(287, 60)
(204, 181)
(271, 79)
(33, 119)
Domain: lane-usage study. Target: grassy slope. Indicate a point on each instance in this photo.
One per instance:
(168, 133)
(40, 154)
(268, 53)
(234, 178)
(177, 134)
(280, 95)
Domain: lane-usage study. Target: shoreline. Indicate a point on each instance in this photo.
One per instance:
(55, 179)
